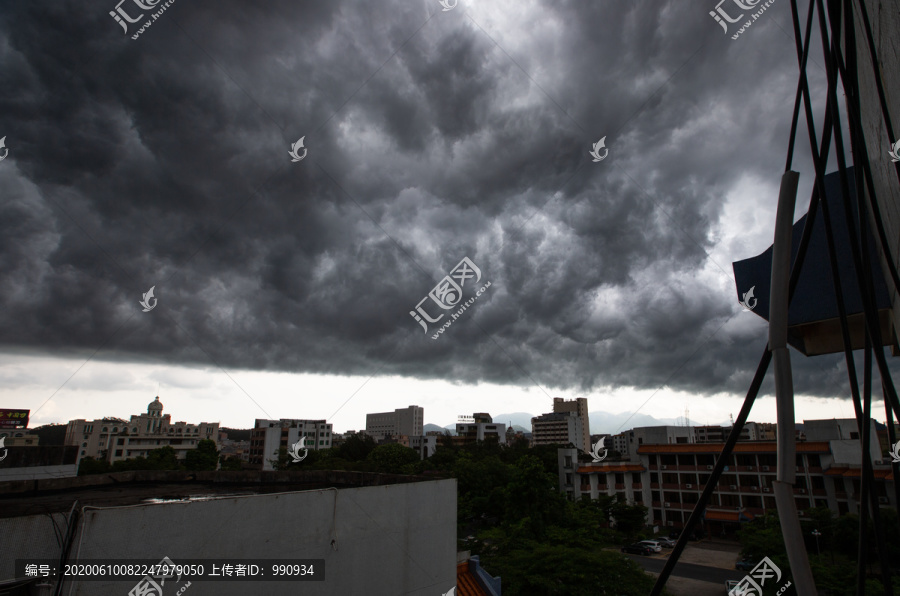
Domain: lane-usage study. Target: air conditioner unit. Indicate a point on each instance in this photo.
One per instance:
(668, 504)
(755, 488)
(749, 468)
(689, 486)
(709, 467)
(883, 500)
(766, 489)
(765, 468)
(733, 487)
(802, 491)
(664, 467)
(670, 523)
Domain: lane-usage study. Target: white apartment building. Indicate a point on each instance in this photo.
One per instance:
(268, 436)
(578, 406)
(402, 421)
(482, 428)
(114, 439)
(559, 429)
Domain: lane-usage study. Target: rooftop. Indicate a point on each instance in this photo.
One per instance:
(54, 495)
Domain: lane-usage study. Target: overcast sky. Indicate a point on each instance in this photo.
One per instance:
(284, 288)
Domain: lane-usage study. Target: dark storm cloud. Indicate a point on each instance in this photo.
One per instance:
(163, 161)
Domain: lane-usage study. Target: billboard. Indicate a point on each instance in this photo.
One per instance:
(13, 418)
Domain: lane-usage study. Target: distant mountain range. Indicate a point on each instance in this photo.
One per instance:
(601, 422)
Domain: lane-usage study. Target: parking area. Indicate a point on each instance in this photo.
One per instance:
(709, 553)
(702, 568)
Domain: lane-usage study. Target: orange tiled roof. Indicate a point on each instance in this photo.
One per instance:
(466, 584)
(740, 447)
(605, 468)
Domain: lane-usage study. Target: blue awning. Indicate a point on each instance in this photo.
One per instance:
(813, 323)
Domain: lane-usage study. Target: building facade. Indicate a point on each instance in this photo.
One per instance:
(115, 439)
(268, 436)
(579, 406)
(752, 431)
(559, 429)
(668, 479)
(402, 421)
(482, 428)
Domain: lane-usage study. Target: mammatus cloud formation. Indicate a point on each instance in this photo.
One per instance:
(431, 135)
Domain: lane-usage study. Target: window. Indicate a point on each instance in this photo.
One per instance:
(84, 444)
(120, 442)
(104, 430)
(82, 452)
(134, 429)
(118, 452)
(115, 429)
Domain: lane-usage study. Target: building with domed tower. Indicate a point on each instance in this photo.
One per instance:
(114, 439)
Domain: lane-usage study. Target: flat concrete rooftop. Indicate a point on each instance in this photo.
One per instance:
(56, 495)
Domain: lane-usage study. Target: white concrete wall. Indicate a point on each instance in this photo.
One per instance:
(391, 540)
(885, 20)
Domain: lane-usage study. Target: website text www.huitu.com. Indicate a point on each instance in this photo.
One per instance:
(466, 304)
(755, 16)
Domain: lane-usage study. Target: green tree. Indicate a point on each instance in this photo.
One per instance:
(89, 465)
(392, 458)
(232, 463)
(356, 447)
(559, 570)
(629, 519)
(163, 458)
(532, 493)
(203, 458)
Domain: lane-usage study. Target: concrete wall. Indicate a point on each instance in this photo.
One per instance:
(38, 472)
(884, 16)
(391, 539)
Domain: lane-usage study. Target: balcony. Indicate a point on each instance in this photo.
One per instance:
(637, 486)
(654, 485)
(585, 488)
(671, 486)
(620, 486)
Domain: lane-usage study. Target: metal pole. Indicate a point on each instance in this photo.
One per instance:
(784, 389)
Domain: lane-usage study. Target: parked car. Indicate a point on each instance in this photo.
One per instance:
(655, 545)
(667, 542)
(638, 549)
(746, 564)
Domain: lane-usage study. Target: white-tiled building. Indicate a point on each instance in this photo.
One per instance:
(268, 436)
(115, 439)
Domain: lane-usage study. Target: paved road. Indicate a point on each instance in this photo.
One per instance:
(689, 570)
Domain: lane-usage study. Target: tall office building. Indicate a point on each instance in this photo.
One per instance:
(558, 429)
(580, 407)
(402, 421)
